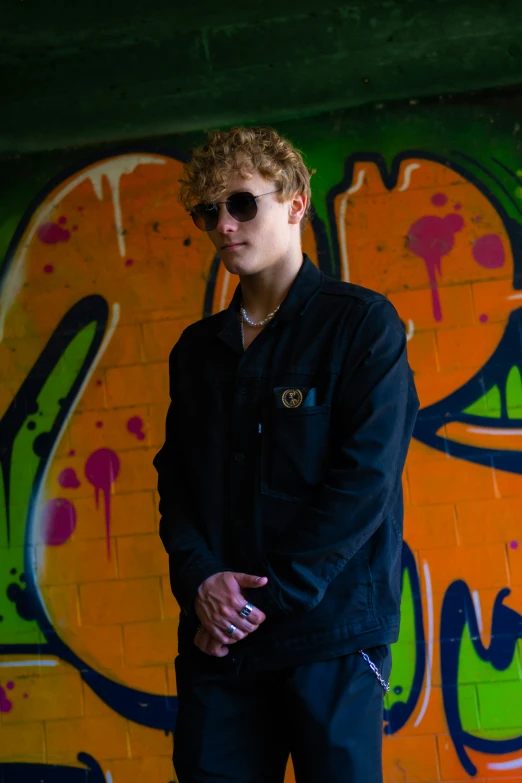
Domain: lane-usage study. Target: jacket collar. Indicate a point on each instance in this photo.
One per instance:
(308, 281)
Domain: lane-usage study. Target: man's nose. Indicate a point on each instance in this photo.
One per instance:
(226, 222)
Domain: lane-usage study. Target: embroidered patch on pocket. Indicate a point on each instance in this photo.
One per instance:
(294, 397)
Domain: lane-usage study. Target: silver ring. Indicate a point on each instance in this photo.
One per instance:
(230, 630)
(246, 610)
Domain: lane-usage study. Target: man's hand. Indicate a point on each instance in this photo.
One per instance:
(207, 644)
(219, 601)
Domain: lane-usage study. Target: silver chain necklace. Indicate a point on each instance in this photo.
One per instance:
(245, 317)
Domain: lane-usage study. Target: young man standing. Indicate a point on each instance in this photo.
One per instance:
(280, 490)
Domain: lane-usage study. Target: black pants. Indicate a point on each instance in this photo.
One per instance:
(241, 728)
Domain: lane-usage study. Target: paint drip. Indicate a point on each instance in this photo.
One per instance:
(431, 238)
(101, 470)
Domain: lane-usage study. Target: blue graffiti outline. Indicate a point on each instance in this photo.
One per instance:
(458, 611)
(432, 418)
(22, 772)
(399, 714)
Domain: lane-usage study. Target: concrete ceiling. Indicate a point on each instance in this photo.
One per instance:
(85, 72)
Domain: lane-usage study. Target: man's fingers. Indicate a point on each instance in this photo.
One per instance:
(216, 648)
(247, 580)
(244, 625)
(207, 644)
(256, 616)
(232, 614)
(235, 635)
(219, 632)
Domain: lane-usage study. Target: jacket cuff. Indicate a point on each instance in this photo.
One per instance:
(185, 585)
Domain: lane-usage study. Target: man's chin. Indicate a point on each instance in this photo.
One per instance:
(238, 266)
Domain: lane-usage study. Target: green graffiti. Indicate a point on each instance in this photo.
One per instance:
(488, 405)
(500, 706)
(404, 650)
(514, 394)
(489, 699)
(25, 464)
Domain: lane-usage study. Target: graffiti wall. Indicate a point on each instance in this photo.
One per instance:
(102, 272)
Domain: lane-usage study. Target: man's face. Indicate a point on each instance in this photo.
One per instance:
(249, 248)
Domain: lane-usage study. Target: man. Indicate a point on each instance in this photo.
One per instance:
(280, 490)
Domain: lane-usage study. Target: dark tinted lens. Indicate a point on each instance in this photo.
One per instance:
(205, 216)
(242, 206)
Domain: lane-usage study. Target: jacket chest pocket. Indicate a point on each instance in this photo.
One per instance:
(294, 450)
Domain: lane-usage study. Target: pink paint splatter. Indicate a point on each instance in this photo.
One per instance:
(25, 695)
(483, 318)
(513, 544)
(68, 479)
(430, 238)
(62, 220)
(10, 685)
(129, 262)
(101, 470)
(58, 521)
(98, 383)
(5, 704)
(457, 206)
(71, 453)
(48, 268)
(439, 199)
(99, 424)
(488, 251)
(51, 233)
(135, 425)
(75, 228)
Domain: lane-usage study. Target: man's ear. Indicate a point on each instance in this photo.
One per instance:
(298, 204)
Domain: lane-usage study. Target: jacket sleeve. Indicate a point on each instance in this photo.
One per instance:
(372, 423)
(190, 560)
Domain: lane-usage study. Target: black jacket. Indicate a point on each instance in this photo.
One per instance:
(285, 461)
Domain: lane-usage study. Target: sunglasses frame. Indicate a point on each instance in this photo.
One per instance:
(215, 204)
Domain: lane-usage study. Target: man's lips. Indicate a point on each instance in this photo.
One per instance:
(232, 245)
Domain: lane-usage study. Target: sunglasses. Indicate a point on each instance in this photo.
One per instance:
(241, 206)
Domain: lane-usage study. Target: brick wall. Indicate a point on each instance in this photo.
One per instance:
(102, 272)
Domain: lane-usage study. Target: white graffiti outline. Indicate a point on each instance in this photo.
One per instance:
(345, 267)
(429, 663)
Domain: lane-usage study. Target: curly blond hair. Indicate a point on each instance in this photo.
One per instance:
(244, 151)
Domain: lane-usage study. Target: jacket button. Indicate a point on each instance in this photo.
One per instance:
(239, 457)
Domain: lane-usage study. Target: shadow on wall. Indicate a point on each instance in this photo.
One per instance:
(102, 276)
